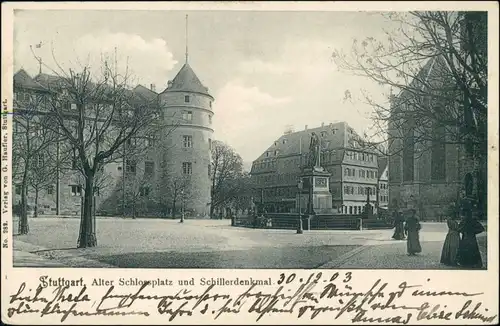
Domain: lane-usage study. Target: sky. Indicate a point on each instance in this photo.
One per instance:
(266, 70)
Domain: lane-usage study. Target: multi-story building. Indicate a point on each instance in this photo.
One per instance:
(353, 168)
(175, 159)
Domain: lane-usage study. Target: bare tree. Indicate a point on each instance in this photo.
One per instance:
(97, 113)
(227, 168)
(436, 64)
(31, 139)
(42, 175)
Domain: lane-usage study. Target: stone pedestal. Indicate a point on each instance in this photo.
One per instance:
(315, 197)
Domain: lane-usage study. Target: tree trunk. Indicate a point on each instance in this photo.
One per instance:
(23, 219)
(87, 236)
(173, 207)
(35, 213)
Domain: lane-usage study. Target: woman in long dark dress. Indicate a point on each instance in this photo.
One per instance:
(468, 250)
(399, 233)
(451, 243)
(412, 229)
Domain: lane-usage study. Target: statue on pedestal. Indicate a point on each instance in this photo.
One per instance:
(314, 152)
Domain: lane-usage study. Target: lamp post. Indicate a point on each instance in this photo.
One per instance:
(300, 185)
(182, 208)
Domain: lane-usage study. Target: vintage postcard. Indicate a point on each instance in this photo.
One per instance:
(249, 163)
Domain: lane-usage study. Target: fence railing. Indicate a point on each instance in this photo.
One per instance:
(316, 222)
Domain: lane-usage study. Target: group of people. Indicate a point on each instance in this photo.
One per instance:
(460, 247)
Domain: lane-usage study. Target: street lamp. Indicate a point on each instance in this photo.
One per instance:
(182, 208)
(300, 185)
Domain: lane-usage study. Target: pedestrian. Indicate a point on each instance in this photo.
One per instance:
(468, 254)
(399, 233)
(449, 253)
(412, 228)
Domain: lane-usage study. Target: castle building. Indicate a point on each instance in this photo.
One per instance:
(352, 165)
(171, 174)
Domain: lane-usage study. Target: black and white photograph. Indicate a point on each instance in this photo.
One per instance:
(235, 140)
(250, 139)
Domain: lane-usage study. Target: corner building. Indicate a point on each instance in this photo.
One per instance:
(188, 117)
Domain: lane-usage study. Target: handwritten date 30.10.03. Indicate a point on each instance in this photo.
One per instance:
(310, 297)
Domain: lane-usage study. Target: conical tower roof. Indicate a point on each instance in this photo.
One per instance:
(186, 81)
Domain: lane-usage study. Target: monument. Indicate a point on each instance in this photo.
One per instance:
(314, 197)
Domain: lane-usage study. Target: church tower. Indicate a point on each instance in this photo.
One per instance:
(187, 106)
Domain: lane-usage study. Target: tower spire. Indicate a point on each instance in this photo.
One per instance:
(187, 39)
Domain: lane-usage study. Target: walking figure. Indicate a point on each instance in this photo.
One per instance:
(468, 250)
(399, 233)
(412, 229)
(449, 254)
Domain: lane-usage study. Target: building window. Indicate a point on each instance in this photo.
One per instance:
(144, 191)
(186, 99)
(76, 190)
(50, 190)
(150, 141)
(73, 106)
(276, 152)
(97, 191)
(130, 166)
(323, 133)
(408, 156)
(74, 160)
(284, 141)
(187, 168)
(438, 155)
(187, 141)
(187, 115)
(346, 172)
(149, 167)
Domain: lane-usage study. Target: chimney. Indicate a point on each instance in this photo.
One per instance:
(152, 87)
(322, 124)
(306, 127)
(169, 84)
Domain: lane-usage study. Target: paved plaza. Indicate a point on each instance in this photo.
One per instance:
(162, 243)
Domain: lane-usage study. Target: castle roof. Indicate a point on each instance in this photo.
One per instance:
(23, 80)
(186, 81)
(145, 92)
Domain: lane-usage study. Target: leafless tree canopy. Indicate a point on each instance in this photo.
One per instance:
(436, 64)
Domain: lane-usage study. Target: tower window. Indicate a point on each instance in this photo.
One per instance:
(187, 115)
(186, 99)
(187, 141)
(210, 118)
(187, 168)
(130, 166)
(209, 143)
(149, 167)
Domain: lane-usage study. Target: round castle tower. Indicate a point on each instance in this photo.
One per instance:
(188, 115)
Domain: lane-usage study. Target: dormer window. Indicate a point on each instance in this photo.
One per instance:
(186, 99)
(323, 133)
(275, 143)
(284, 141)
(276, 152)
